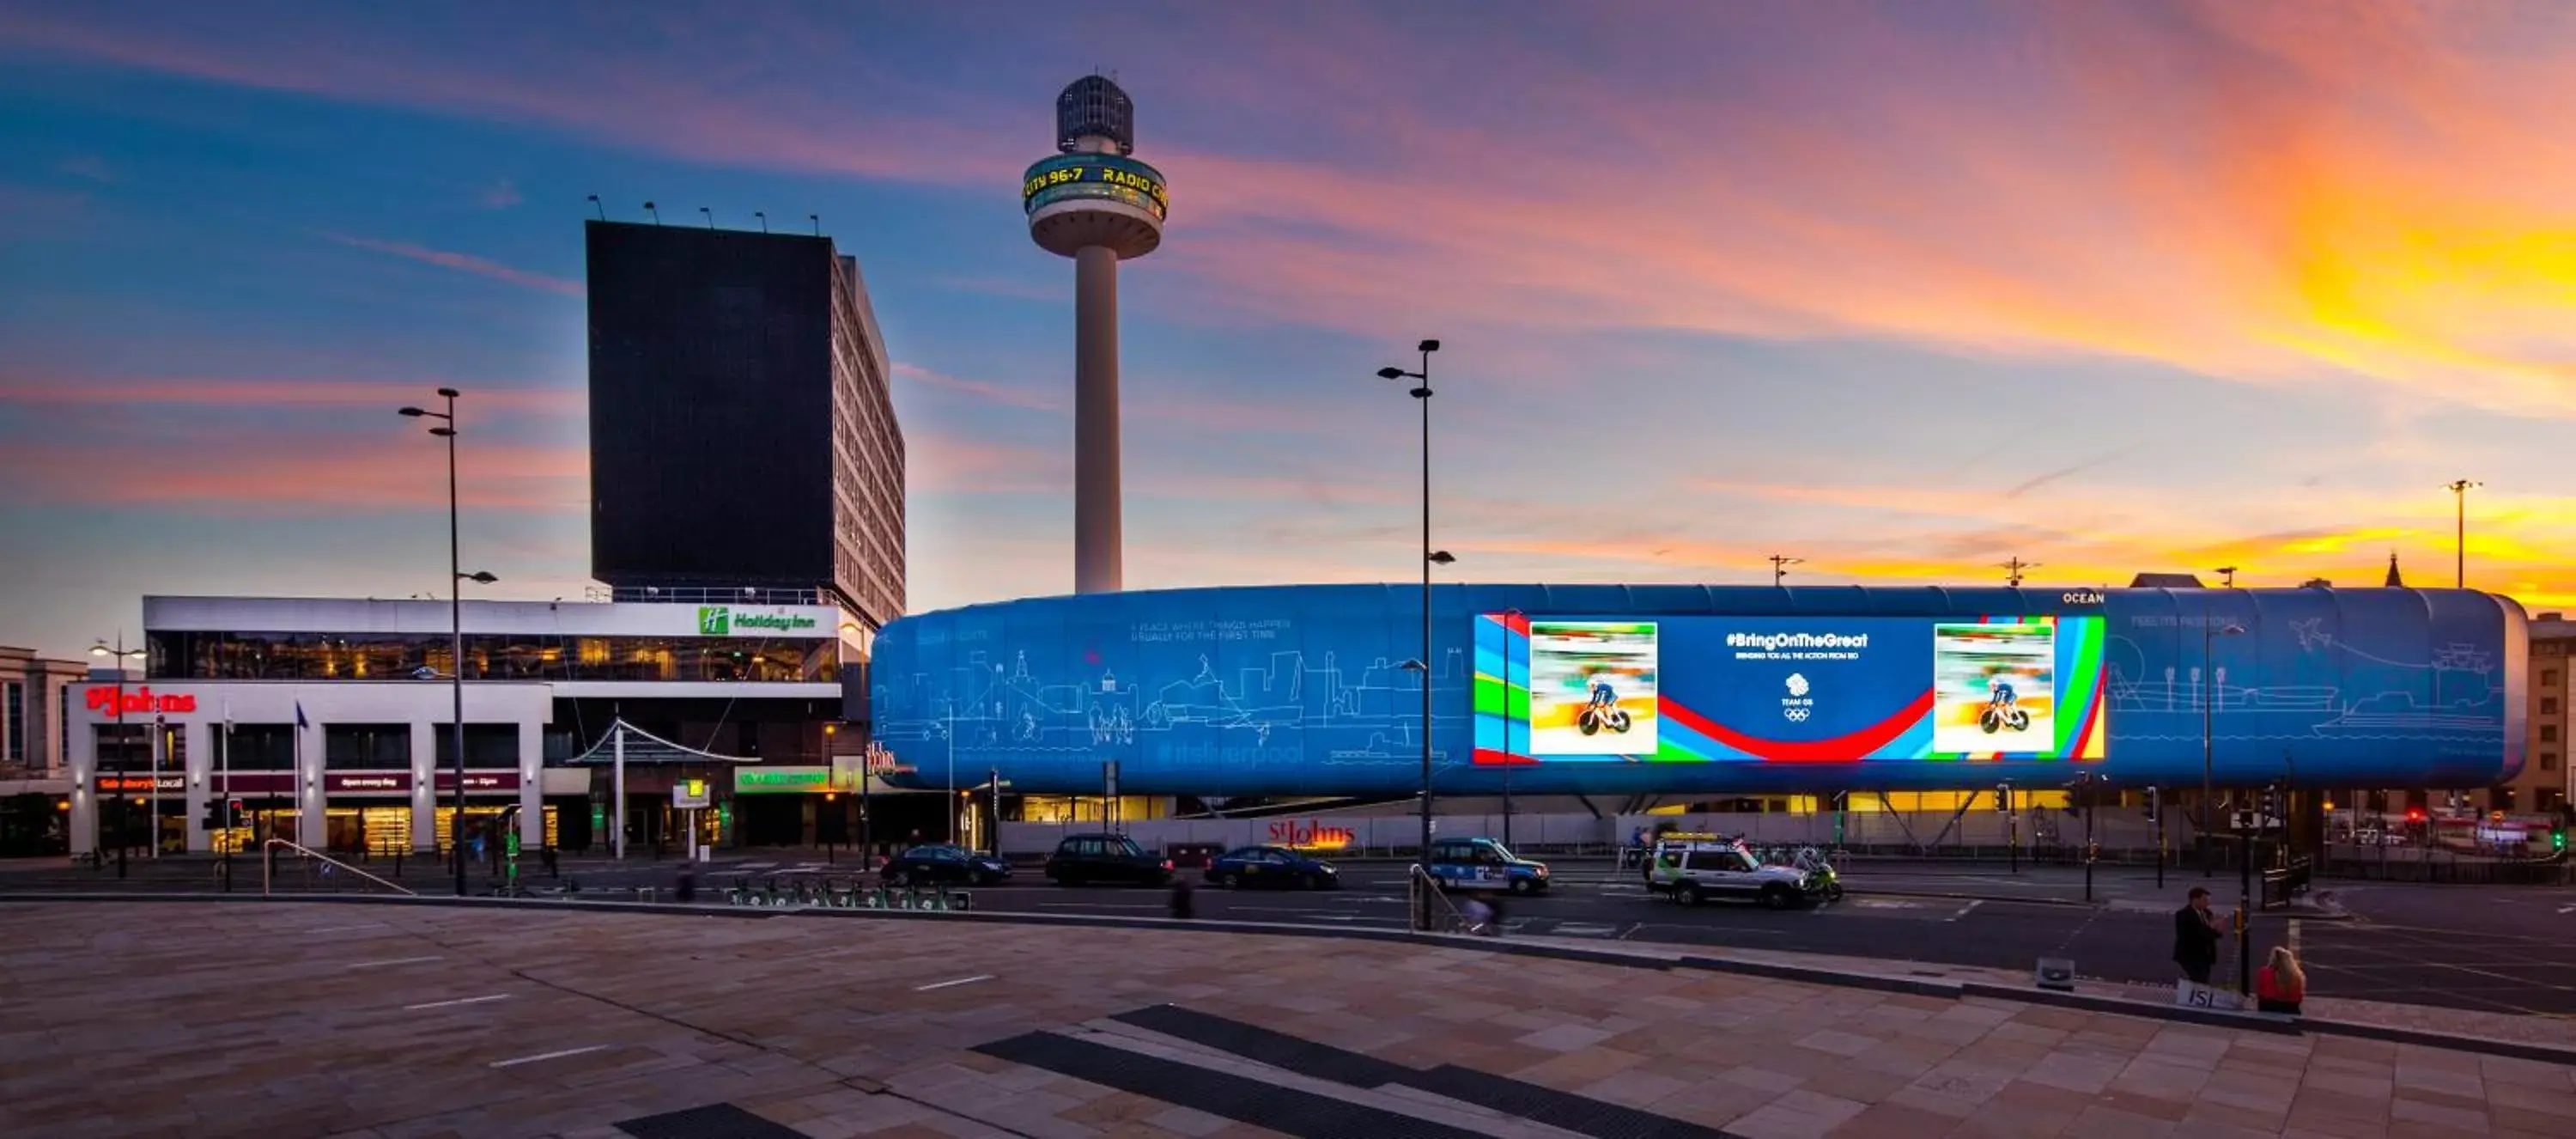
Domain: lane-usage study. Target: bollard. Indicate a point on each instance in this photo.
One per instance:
(1183, 905)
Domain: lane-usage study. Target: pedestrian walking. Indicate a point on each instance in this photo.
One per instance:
(2196, 937)
(2280, 984)
(547, 853)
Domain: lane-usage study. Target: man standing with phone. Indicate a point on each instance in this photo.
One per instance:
(2196, 937)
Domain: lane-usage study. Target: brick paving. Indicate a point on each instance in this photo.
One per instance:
(414, 1022)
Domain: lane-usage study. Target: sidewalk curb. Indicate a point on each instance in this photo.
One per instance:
(1807, 974)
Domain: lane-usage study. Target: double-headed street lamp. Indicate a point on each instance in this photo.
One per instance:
(2460, 489)
(124, 825)
(1430, 558)
(2209, 635)
(457, 578)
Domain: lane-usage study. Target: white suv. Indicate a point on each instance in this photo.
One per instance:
(1696, 872)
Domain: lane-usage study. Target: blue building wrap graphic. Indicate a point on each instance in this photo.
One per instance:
(1303, 690)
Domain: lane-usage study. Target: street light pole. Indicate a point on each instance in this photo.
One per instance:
(120, 654)
(1780, 564)
(1430, 558)
(2460, 489)
(456, 579)
(2208, 746)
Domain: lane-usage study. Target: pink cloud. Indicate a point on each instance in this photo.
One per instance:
(1004, 394)
(301, 475)
(463, 263)
(239, 392)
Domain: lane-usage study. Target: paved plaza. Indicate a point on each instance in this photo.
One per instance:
(187, 1018)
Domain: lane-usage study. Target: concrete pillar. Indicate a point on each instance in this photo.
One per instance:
(424, 785)
(1098, 545)
(83, 738)
(532, 787)
(310, 830)
(202, 738)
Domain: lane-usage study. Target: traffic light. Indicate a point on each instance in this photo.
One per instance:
(2155, 805)
(2558, 839)
(214, 819)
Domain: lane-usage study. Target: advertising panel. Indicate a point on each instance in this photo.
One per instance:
(1701, 689)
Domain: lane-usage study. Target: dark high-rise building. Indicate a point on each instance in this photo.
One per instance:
(741, 430)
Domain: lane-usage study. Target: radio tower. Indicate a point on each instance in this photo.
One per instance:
(1093, 203)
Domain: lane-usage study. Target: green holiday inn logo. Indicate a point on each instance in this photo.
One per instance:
(721, 621)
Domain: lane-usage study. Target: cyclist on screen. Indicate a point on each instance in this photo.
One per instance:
(1999, 692)
(1604, 696)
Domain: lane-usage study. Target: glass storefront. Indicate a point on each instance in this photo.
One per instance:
(183, 655)
(480, 816)
(378, 832)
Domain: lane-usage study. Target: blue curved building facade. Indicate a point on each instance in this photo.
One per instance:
(1715, 690)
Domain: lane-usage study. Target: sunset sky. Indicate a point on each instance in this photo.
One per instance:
(1903, 289)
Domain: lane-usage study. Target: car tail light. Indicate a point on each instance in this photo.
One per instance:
(1167, 864)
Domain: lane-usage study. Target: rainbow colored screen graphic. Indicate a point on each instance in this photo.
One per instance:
(1799, 689)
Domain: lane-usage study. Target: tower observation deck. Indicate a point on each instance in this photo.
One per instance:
(1095, 204)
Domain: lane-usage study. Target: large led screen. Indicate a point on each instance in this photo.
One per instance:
(1698, 689)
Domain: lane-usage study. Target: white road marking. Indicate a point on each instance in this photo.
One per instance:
(1965, 910)
(393, 961)
(1582, 929)
(1100, 905)
(346, 928)
(555, 1055)
(949, 984)
(2567, 909)
(457, 1001)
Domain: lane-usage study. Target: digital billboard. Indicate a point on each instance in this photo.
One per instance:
(1592, 687)
(1702, 689)
(1111, 176)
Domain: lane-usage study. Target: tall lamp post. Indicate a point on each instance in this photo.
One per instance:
(1780, 564)
(2209, 635)
(2460, 489)
(457, 578)
(1508, 761)
(118, 656)
(1430, 557)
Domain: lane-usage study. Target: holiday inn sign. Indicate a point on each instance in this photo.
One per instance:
(730, 620)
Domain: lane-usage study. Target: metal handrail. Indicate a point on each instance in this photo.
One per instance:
(1422, 895)
(268, 867)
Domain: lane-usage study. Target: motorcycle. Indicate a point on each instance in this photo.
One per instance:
(1996, 718)
(1599, 716)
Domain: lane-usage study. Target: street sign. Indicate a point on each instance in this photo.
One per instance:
(689, 793)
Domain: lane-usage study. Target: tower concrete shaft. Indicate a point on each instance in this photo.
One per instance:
(1098, 535)
(1095, 203)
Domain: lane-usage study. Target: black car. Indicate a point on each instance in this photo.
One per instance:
(944, 865)
(1271, 866)
(1084, 858)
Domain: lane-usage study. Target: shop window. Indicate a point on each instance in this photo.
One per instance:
(366, 747)
(13, 724)
(486, 745)
(256, 747)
